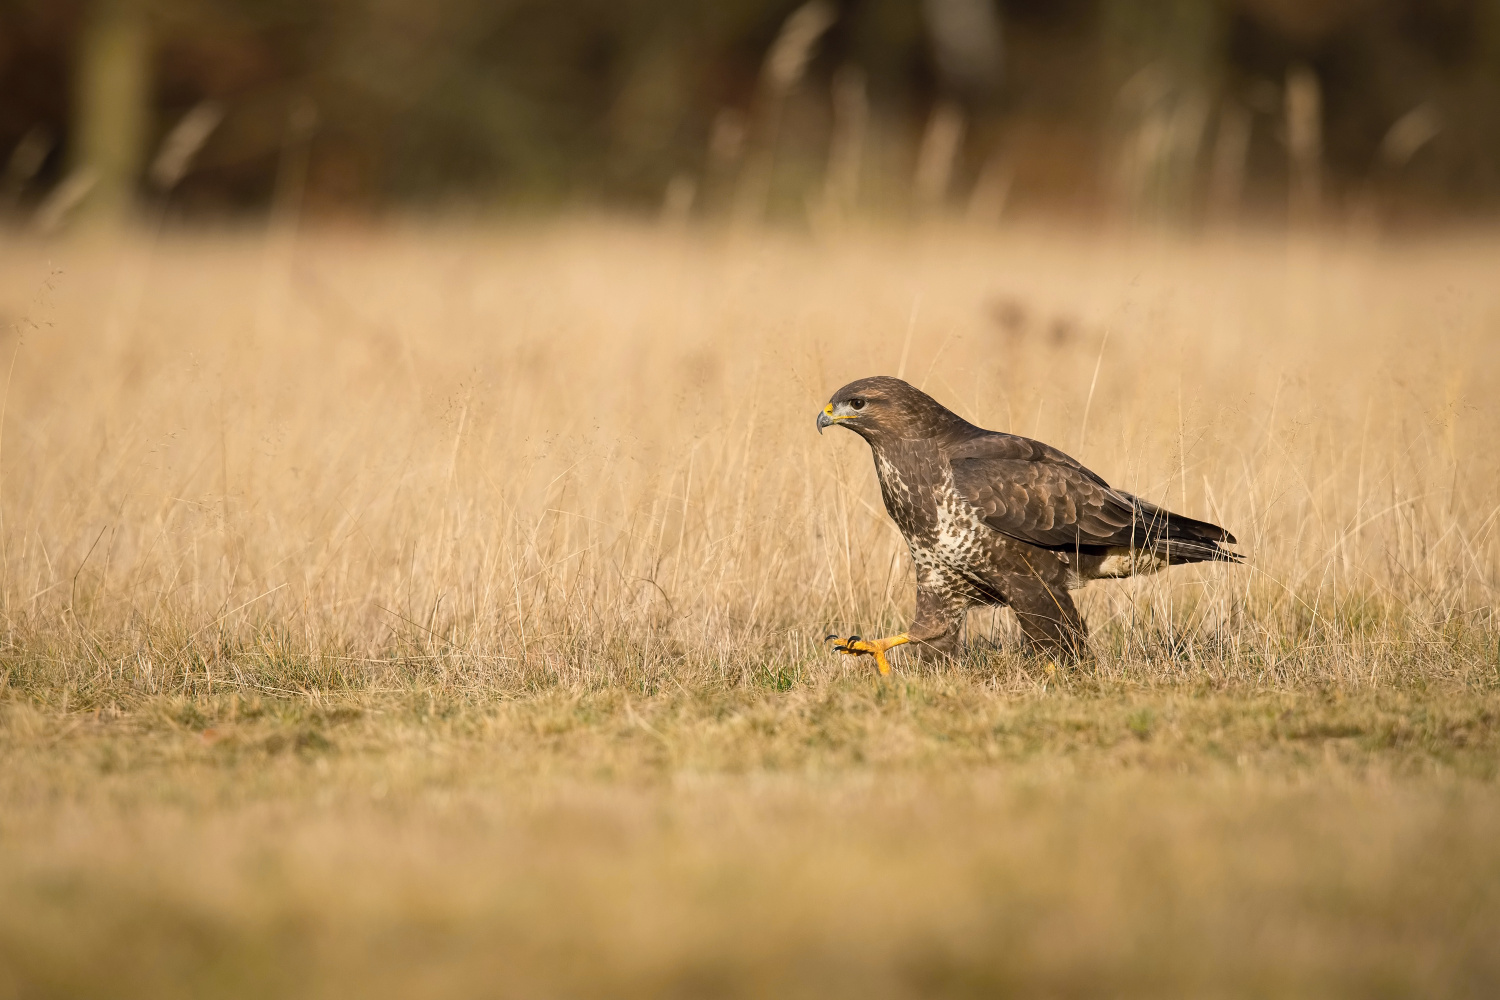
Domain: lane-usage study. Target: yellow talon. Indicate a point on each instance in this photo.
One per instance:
(855, 646)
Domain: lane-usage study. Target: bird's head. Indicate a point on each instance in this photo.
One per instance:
(884, 407)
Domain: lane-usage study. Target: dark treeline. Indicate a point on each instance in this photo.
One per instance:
(1161, 109)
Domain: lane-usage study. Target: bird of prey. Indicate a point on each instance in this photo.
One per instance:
(997, 519)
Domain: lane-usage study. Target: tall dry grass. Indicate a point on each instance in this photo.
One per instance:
(437, 612)
(584, 454)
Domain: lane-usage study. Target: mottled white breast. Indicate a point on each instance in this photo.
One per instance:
(957, 534)
(961, 533)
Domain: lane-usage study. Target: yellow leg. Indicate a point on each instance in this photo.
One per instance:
(855, 646)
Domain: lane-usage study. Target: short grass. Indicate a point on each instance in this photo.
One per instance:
(435, 611)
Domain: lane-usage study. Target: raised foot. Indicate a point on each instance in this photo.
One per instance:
(855, 646)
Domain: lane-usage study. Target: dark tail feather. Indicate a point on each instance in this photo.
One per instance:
(1186, 540)
(1178, 551)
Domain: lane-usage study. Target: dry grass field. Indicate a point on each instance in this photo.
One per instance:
(436, 611)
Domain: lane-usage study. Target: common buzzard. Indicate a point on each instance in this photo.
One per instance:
(994, 518)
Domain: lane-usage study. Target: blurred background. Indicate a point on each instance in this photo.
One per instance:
(1177, 112)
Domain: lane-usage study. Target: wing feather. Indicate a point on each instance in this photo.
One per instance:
(1035, 493)
(1046, 504)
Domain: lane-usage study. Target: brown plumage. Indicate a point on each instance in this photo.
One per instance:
(994, 518)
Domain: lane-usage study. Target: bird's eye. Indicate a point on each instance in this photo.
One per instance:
(856, 404)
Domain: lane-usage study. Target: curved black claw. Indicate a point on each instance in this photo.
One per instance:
(844, 645)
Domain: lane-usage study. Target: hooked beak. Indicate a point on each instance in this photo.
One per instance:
(825, 418)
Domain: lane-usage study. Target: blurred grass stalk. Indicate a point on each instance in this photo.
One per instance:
(111, 119)
(1231, 148)
(24, 163)
(784, 67)
(1304, 146)
(846, 146)
(173, 160)
(942, 140)
(1160, 53)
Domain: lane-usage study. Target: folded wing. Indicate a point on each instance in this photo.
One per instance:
(1035, 493)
